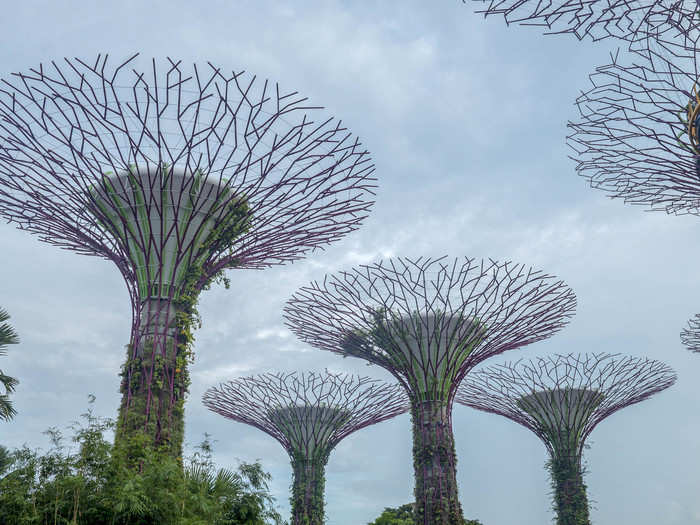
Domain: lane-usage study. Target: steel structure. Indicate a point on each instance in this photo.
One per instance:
(309, 414)
(173, 173)
(561, 399)
(690, 336)
(637, 136)
(599, 19)
(428, 322)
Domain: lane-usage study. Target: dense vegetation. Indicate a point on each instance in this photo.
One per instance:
(86, 482)
(7, 337)
(405, 515)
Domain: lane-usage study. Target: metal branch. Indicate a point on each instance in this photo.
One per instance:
(598, 19)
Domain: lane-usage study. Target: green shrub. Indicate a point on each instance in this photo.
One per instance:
(404, 515)
(92, 484)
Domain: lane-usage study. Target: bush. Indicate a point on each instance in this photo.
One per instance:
(92, 484)
(404, 516)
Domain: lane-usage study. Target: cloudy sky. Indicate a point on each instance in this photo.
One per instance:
(466, 122)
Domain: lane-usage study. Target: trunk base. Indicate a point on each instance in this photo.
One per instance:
(435, 461)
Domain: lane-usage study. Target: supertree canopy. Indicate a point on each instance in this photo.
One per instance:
(309, 414)
(173, 173)
(598, 19)
(561, 399)
(428, 322)
(637, 136)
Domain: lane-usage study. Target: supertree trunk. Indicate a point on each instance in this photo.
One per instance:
(155, 381)
(435, 462)
(570, 500)
(307, 490)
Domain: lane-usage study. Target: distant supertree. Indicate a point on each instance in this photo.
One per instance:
(174, 174)
(638, 134)
(690, 336)
(561, 399)
(309, 414)
(428, 322)
(599, 19)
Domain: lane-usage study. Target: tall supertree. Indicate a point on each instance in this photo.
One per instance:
(309, 414)
(598, 19)
(561, 399)
(428, 322)
(174, 174)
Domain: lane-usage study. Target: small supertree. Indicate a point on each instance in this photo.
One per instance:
(561, 399)
(428, 322)
(637, 136)
(8, 336)
(598, 19)
(174, 174)
(309, 414)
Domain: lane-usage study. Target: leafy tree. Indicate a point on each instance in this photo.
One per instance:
(89, 482)
(7, 337)
(404, 515)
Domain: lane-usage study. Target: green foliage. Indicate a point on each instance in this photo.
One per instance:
(570, 502)
(405, 515)
(7, 337)
(91, 483)
(308, 486)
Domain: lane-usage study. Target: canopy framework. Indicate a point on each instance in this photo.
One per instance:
(308, 414)
(428, 322)
(637, 136)
(599, 19)
(174, 174)
(562, 398)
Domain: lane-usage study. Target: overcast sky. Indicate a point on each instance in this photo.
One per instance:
(466, 122)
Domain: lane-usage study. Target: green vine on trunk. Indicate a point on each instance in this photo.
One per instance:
(434, 451)
(163, 428)
(308, 486)
(570, 501)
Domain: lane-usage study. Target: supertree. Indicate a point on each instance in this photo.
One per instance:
(174, 174)
(599, 19)
(561, 399)
(309, 414)
(428, 322)
(690, 336)
(637, 137)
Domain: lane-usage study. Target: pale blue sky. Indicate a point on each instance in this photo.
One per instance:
(466, 120)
